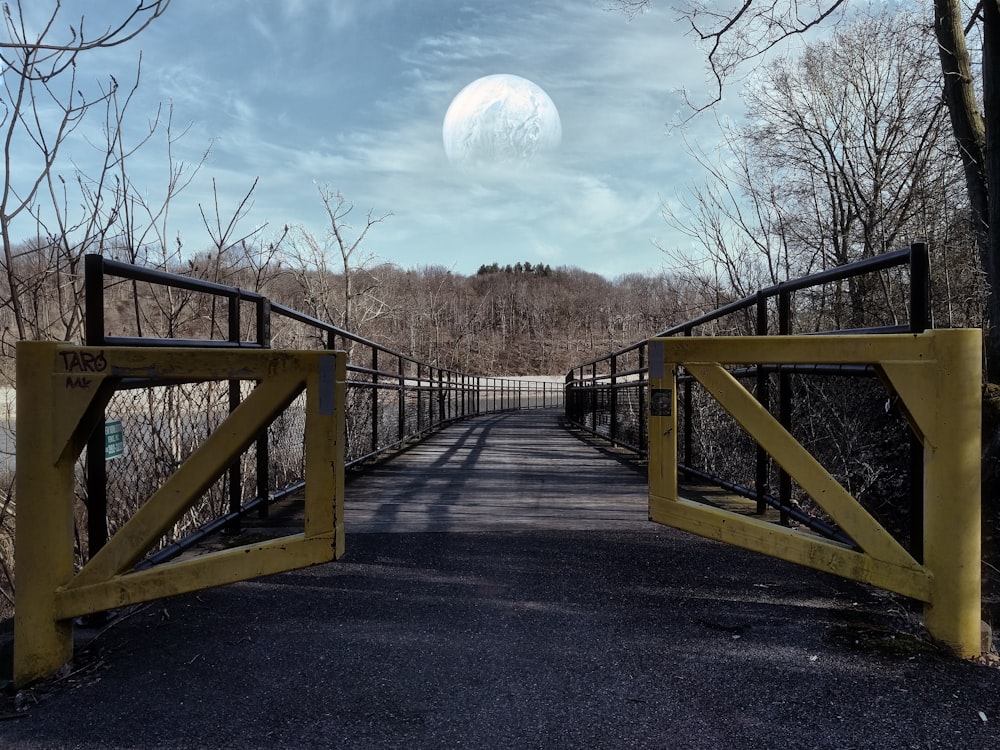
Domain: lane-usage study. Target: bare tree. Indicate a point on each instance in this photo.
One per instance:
(356, 278)
(39, 71)
(735, 222)
(842, 157)
(737, 34)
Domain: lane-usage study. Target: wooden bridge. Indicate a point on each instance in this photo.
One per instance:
(518, 470)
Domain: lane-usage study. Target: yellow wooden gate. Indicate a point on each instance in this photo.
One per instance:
(937, 376)
(61, 394)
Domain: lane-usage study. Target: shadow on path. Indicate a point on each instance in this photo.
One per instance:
(515, 470)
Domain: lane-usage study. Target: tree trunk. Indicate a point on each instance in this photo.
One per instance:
(970, 134)
(991, 105)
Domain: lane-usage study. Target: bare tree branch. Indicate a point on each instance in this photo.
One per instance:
(737, 33)
(39, 75)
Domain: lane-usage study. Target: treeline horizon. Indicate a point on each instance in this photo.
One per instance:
(511, 319)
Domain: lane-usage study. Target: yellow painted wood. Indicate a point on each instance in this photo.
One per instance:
(846, 349)
(952, 494)
(77, 413)
(801, 465)
(44, 524)
(191, 479)
(61, 392)
(324, 446)
(663, 440)
(80, 375)
(789, 544)
(915, 382)
(211, 569)
(193, 364)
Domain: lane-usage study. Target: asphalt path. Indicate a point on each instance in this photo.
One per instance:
(545, 629)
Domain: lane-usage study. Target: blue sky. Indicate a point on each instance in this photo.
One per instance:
(353, 94)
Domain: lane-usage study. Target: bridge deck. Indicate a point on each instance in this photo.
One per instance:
(516, 470)
(624, 634)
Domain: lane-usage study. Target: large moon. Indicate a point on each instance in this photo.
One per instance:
(500, 119)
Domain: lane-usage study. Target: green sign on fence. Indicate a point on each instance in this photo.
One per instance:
(114, 439)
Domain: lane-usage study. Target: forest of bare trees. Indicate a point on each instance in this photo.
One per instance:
(496, 322)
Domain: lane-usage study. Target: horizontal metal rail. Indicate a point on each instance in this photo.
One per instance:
(914, 256)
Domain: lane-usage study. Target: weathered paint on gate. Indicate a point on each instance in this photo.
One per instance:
(937, 376)
(61, 394)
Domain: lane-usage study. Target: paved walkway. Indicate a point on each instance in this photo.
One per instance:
(582, 627)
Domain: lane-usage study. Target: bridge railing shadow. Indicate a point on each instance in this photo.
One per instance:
(844, 412)
(150, 428)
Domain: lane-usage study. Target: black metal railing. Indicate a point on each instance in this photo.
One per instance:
(392, 398)
(607, 396)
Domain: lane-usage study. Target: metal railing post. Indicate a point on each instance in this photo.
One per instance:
(263, 444)
(431, 397)
(613, 401)
(643, 438)
(920, 320)
(420, 394)
(236, 469)
(375, 400)
(445, 381)
(440, 396)
(688, 416)
(784, 402)
(401, 414)
(764, 398)
(920, 312)
(593, 397)
(97, 471)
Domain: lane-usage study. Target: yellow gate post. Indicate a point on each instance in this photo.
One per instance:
(61, 393)
(951, 436)
(938, 376)
(44, 525)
